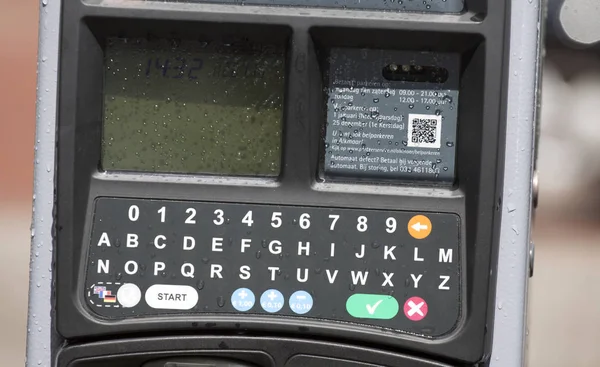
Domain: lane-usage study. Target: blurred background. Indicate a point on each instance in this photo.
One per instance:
(564, 298)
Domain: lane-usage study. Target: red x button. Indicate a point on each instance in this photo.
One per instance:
(415, 308)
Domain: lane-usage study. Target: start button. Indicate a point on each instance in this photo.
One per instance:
(171, 297)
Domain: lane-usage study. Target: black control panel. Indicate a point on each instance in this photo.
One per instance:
(312, 178)
(393, 269)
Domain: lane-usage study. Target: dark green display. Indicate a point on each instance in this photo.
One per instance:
(193, 107)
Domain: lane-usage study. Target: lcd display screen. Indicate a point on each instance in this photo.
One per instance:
(176, 106)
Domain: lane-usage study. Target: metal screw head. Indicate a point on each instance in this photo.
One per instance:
(535, 189)
(531, 258)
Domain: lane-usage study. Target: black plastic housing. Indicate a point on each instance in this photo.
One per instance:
(261, 351)
(479, 34)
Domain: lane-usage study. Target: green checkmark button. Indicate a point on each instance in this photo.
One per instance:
(372, 306)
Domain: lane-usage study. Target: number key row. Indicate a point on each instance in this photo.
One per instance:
(219, 217)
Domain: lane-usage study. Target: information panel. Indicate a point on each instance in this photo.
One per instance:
(392, 115)
(391, 269)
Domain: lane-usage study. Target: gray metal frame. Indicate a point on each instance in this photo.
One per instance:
(41, 336)
(510, 316)
(513, 257)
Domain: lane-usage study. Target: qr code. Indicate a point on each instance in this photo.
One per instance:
(424, 131)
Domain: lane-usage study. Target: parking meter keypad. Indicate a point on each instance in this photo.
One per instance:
(392, 269)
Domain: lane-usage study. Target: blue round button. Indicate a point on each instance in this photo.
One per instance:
(301, 302)
(272, 300)
(242, 299)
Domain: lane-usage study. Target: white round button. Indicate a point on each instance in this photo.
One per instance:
(129, 295)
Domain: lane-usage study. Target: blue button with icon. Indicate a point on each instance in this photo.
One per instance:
(301, 302)
(272, 300)
(242, 299)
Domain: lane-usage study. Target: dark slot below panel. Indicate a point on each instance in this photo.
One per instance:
(433, 6)
(256, 351)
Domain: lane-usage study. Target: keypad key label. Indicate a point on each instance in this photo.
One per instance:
(171, 297)
(129, 295)
(415, 308)
(301, 302)
(272, 300)
(243, 299)
(372, 306)
(419, 227)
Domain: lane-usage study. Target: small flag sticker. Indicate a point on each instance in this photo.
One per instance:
(99, 289)
(110, 298)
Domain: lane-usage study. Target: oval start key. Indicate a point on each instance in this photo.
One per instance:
(171, 297)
